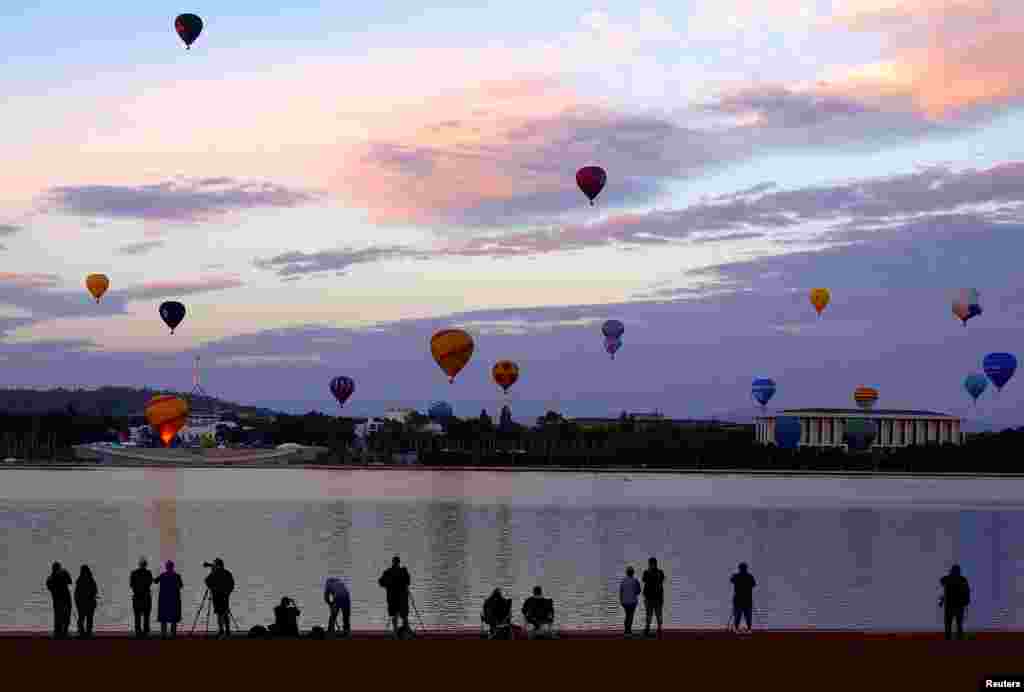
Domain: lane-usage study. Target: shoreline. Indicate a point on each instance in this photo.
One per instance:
(619, 470)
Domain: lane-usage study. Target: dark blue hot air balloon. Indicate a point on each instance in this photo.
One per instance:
(860, 434)
(975, 384)
(440, 411)
(342, 388)
(762, 390)
(787, 432)
(1000, 368)
(172, 313)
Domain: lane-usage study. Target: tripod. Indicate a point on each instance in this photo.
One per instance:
(207, 604)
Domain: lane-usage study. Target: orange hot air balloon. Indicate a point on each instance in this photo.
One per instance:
(505, 374)
(819, 299)
(865, 397)
(97, 285)
(452, 349)
(166, 414)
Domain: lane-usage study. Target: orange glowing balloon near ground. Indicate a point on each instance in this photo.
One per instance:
(97, 285)
(505, 374)
(166, 414)
(452, 349)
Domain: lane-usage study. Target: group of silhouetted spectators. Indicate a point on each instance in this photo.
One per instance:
(538, 611)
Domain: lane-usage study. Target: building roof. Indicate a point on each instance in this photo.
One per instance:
(861, 413)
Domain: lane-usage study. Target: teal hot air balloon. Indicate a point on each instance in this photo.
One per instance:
(975, 384)
(860, 434)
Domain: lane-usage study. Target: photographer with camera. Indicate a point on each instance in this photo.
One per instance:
(221, 583)
(286, 619)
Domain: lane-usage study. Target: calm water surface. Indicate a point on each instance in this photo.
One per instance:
(827, 552)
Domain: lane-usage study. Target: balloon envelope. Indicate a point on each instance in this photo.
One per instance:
(787, 432)
(188, 26)
(763, 389)
(172, 313)
(613, 329)
(820, 298)
(866, 397)
(166, 414)
(1000, 368)
(611, 345)
(440, 411)
(452, 349)
(591, 180)
(97, 284)
(860, 433)
(342, 388)
(967, 304)
(975, 384)
(505, 373)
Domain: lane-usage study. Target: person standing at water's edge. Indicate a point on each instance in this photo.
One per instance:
(956, 596)
(654, 594)
(59, 585)
(743, 584)
(396, 582)
(168, 605)
(86, 593)
(337, 598)
(142, 598)
(221, 583)
(629, 597)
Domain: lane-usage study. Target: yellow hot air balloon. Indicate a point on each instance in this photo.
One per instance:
(97, 285)
(819, 299)
(452, 349)
(505, 374)
(166, 414)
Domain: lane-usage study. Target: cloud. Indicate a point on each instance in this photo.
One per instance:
(140, 248)
(176, 288)
(14, 279)
(181, 201)
(293, 264)
(9, 229)
(269, 360)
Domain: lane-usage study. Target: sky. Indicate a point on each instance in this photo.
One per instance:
(324, 189)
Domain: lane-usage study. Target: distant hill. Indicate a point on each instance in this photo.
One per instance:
(118, 402)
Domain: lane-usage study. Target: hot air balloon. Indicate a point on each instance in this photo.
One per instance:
(967, 304)
(172, 313)
(762, 389)
(611, 345)
(452, 349)
(591, 180)
(342, 388)
(505, 374)
(188, 26)
(860, 433)
(787, 432)
(97, 284)
(1000, 368)
(866, 397)
(613, 329)
(440, 411)
(975, 384)
(167, 415)
(820, 298)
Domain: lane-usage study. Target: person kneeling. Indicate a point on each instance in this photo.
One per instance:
(286, 619)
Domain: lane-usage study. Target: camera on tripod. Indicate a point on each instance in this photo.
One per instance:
(209, 565)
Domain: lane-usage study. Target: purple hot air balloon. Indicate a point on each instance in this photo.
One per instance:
(611, 345)
(342, 388)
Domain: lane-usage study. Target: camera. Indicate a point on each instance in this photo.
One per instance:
(208, 565)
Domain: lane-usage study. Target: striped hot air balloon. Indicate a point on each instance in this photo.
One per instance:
(966, 304)
(866, 397)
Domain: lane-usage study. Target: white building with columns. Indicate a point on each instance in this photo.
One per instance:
(825, 427)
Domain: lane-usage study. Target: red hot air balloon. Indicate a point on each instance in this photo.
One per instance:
(342, 388)
(591, 180)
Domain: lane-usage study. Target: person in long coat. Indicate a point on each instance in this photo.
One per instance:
(86, 595)
(168, 607)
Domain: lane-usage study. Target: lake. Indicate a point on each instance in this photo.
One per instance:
(861, 553)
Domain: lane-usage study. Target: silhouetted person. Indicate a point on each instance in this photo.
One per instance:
(743, 584)
(168, 604)
(59, 585)
(86, 594)
(337, 598)
(629, 597)
(221, 583)
(396, 582)
(654, 594)
(496, 612)
(142, 598)
(956, 596)
(286, 619)
(539, 612)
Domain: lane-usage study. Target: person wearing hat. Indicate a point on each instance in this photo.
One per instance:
(142, 598)
(221, 583)
(168, 606)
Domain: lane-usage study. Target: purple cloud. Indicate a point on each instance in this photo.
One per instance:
(140, 248)
(292, 264)
(175, 288)
(177, 201)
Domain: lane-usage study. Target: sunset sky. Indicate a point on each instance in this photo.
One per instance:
(325, 187)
